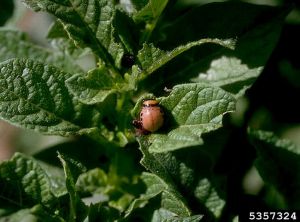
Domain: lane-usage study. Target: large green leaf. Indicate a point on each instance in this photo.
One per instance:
(188, 174)
(206, 192)
(255, 27)
(238, 69)
(15, 44)
(278, 163)
(190, 111)
(35, 96)
(218, 20)
(170, 199)
(152, 58)
(24, 183)
(31, 190)
(88, 23)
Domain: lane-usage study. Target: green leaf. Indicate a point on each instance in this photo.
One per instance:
(155, 164)
(255, 27)
(35, 96)
(56, 177)
(105, 188)
(15, 44)
(151, 11)
(72, 169)
(278, 163)
(189, 173)
(152, 58)
(60, 40)
(170, 199)
(234, 71)
(88, 23)
(102, 88)
(162, 215)
(95, 86)
(23, 215)
(219, 20)
(191, 110)
(167, 216)
(24, 183)
(6, 10)
(118, 186)
(206, 192)
(230, 74)
(57, 31)
(149, 14)
(93, 181)
(122, 202)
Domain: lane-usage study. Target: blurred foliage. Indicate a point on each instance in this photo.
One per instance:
(197, 163)
(6, 10)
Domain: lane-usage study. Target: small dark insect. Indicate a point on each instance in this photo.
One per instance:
(127, 60)
(151, 118)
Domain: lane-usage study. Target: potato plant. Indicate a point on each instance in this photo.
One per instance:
(197, 60)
